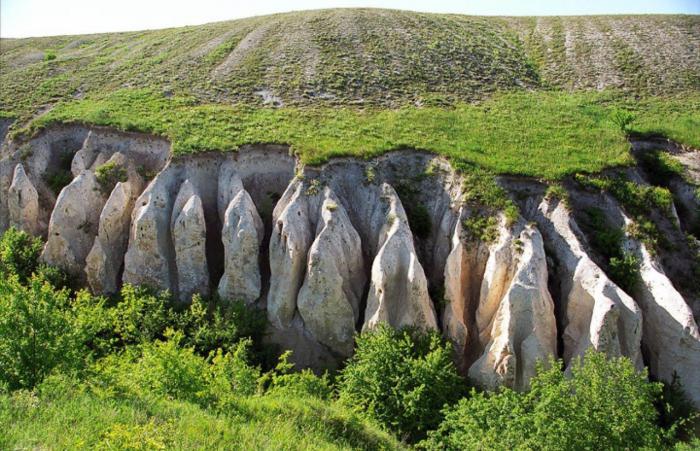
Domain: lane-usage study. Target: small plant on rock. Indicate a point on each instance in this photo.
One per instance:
(109, 174)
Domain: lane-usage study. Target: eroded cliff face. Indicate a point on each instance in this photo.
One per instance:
(332, 250)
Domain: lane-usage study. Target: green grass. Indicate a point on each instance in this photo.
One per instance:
(542, 134)
(38, 420)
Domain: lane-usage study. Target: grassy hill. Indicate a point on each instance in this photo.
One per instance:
(363, 81)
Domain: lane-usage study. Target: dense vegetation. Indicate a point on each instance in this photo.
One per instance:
(133, 373)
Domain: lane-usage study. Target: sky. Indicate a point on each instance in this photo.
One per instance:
(24, 18)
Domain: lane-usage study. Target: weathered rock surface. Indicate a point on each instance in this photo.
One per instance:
(595, 311)
(242, 235)
(23, 202)
(329, 300)
(189, 239)
(464, 272)
(104, 262)
(516, 313)
(671, 336)
(150, 259)
(335, 251)
(398, 293)
(229, 185)
(290, 240)
(73, 224)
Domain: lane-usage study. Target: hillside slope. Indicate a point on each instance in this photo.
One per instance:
(358, 57)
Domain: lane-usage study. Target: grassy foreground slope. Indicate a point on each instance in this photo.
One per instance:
(38, 420)
(532, 96)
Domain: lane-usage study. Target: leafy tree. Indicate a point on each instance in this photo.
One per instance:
(39, 332)
(604, 404)
(19, 254)
(402, 379)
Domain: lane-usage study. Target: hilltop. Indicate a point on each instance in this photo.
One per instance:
(359, 57)
(486, 91)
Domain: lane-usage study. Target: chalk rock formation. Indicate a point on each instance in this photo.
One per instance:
(189, 239)
(149, 259)
(398, 293)
(329, 300)
(23, 202)
(73, 224)
(515, 317)
(671, 335)
(291, 237)
(595, 311)
(464, 271)
(242, 236)
(104, 261)
(229, 185)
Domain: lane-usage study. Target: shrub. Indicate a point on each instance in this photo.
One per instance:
(58, 180)
(232, 374)
(402, 379)
(622, 119)
(624, 271)
(557, 191)
(19, 254)
(623, 266)
(108, 175)
(605, 404)
(167, 369)
(283, 379)
(140, 316)
(210, 325)
(484, 228)
(38, 333)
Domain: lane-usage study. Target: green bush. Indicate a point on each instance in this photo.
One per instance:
(108, 175)
(484, 228)
(624, 270)
(19, 254)
(170, 370)
(622, 119)
(402, 379)
(605, 404)
(231, 373)
(57, 180)
(623, 266)
(283, 379)
(212, 324)
(39, 333)
(140, 316)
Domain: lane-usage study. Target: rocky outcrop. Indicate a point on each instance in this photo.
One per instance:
(290, 240)
(104, 262)
(671, 336)
(189, 239)
(595, 312)
(398, 292)
(515, 317)
(149, 258)
(242, 235)
(464, 272)
(329, 300)
(23, 203)
(73, 224)
(351, 244)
